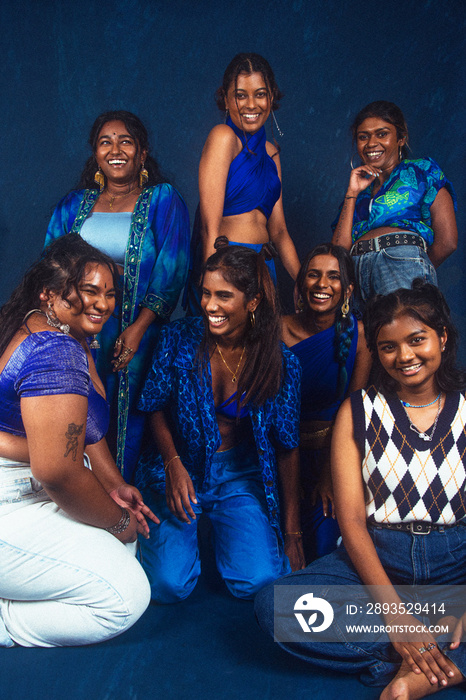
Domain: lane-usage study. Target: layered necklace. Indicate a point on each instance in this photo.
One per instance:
(423, 434)
(233, 377)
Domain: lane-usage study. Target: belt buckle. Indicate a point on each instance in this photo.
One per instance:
(421, 531)
(376, 246)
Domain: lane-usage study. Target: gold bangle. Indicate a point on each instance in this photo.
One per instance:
(300, 533)
(167, 464)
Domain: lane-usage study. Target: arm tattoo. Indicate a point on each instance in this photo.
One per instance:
(72, 434)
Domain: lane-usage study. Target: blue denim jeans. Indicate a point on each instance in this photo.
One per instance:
(247, 551)
(389, 269)
(438, 558)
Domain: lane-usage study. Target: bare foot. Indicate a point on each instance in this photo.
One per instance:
(412, 686)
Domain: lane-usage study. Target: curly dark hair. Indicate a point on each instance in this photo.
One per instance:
(260, 376)
(425, 303)
(60, 269)
(344, 326)
(137, 131)
(390, 113)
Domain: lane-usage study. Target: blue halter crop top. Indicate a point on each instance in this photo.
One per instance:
(252, 181)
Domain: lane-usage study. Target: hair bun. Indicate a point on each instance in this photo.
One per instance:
(221, 242)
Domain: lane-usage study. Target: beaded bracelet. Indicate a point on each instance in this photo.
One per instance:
(167, 464)
(122, 524)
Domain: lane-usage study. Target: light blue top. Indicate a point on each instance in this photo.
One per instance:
(109, 232)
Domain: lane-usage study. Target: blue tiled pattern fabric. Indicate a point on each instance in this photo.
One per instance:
(403, 201)
(156, 263)
(44, 364)
(176, 385)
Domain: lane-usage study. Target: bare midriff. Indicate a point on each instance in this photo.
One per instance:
(250, 227)
(231, 432)
(382, 231)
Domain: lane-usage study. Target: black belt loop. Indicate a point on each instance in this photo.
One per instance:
(373, 245)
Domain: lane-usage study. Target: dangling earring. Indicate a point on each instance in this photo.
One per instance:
(143, 176)
(99, 179)
(94, 344)
(227, 114)
(54, 321)
(252, 318)
(300, 303)
(280, 132)
(345, 308)
(351, 163)
(400, 154)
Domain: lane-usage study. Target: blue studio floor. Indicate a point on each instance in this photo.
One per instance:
(207, 647)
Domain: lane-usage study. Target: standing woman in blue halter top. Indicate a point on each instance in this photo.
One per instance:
(239, 171)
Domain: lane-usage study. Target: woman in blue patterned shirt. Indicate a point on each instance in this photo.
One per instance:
(398, 215)
(224, 397)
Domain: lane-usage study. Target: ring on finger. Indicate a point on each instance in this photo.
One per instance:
(422, 650)
(118, 342)
(431, 646)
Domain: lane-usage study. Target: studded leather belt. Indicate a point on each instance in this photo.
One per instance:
(418, 527)
(390, 240)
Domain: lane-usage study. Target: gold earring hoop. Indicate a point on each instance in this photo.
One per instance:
(99, 179)
(253, 318)
(143, 176)
(345, 307)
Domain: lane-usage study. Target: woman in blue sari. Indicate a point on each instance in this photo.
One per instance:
(124, 208)
(240, 174)
(329, 343)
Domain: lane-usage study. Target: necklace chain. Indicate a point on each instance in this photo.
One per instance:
(233, 378)
(112, 197)
(422, 434)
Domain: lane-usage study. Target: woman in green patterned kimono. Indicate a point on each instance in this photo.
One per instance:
(124, 208)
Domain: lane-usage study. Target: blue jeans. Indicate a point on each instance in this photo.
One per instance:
(247, 551)
(437, 558)
(389, 269)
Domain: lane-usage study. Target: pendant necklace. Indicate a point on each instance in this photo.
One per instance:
(424, 435)
(233, 378)
(112, 197)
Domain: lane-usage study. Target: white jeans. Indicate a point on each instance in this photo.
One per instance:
(64, 583)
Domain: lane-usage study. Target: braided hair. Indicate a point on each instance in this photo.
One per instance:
(344, 324)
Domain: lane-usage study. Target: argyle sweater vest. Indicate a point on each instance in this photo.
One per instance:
(406, 477)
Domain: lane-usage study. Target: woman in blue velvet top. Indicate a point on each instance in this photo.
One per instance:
(66, 580)
(224, 401)
(239, 172)
(398, 215)
(329, 343)
(126, 209)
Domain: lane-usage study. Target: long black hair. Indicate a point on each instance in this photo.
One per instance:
(425, 303)
(137, 131)
(344, 325)
(260, 375)
(60, 269)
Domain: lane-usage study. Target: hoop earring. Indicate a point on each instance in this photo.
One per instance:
(300, 303)
(99, 179)
(94, 344)
(280, 132)
(54, 321)
(143, 176)
(345, 308)
(252, 318)
(226, 115)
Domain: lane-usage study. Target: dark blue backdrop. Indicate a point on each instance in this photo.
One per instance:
(63, 63)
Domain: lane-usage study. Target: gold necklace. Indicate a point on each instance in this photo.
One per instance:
(233, 378)
(112, 197)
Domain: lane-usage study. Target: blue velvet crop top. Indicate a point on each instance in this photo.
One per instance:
(49, 363)
(252, 181)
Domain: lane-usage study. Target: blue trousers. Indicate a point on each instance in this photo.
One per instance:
(389, 269)
(247, 551)
(437, 558)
